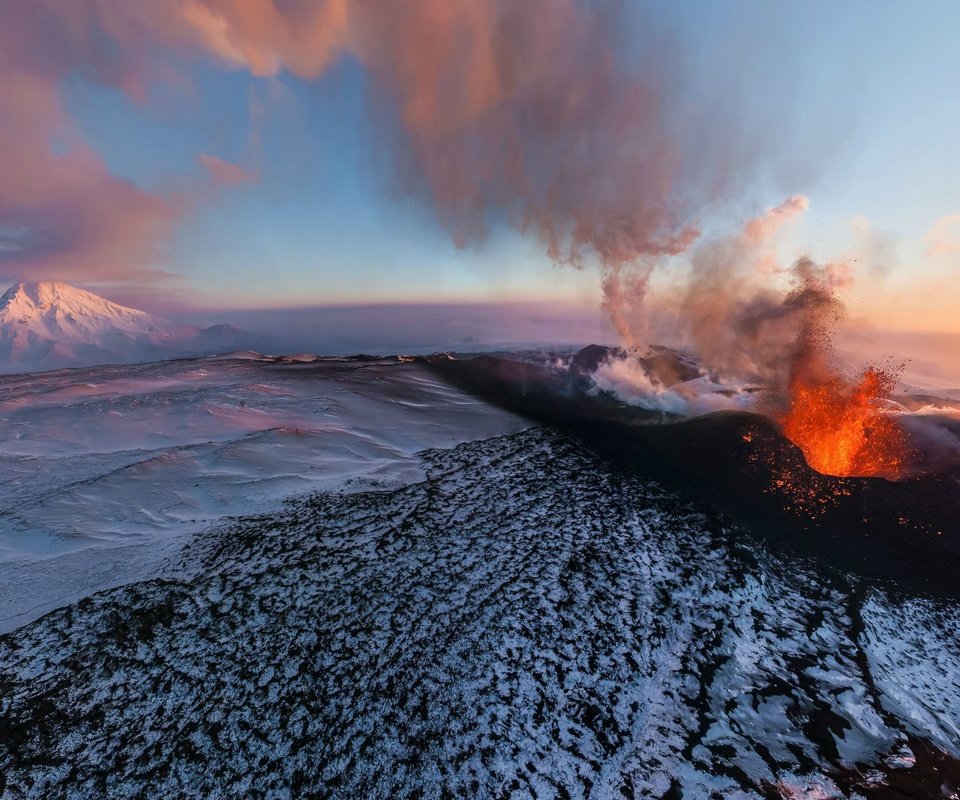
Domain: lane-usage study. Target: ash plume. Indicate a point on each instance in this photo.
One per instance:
(540, 114)
(532, 111)
(747, 317)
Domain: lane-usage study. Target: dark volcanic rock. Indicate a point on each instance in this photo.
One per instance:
(740, 462)
(586, 360)
(663, 364)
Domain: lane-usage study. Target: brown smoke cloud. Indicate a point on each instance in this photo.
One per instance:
(525, 109)
(740, 323)
(531, 112)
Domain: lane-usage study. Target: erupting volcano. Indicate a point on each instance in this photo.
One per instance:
(841, 426)
(840, 423)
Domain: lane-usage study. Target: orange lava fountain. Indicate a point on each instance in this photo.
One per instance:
(840, 425)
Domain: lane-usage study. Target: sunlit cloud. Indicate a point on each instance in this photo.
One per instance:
(73, 219)
(226, 173)
(63, 213)
(944, 236)
(762, 229)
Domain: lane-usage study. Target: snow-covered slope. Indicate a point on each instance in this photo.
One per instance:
(47, 325)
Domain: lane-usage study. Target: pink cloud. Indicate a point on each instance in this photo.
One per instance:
(226, 173)
(760, 230)
(65, 214)
(514, 105)
(944, 235)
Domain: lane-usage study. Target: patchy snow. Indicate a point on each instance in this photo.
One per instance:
(522, 622)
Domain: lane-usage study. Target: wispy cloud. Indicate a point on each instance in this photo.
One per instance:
(73, 218)
(943, 235)
(226, 173)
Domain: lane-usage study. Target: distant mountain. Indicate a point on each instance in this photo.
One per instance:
(48, 325)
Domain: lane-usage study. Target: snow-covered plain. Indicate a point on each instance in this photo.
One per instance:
(103, 469)
(500, 615)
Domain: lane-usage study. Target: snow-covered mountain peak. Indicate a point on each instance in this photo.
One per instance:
(64, 312)
(48, 324)
(45, 292)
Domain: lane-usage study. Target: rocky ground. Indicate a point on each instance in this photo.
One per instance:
(524, 622)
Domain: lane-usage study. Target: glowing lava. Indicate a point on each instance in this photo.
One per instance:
(840, 425)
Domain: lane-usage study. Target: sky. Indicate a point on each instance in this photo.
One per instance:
(194, 155)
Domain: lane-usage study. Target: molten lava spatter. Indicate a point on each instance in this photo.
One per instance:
(840, 425)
